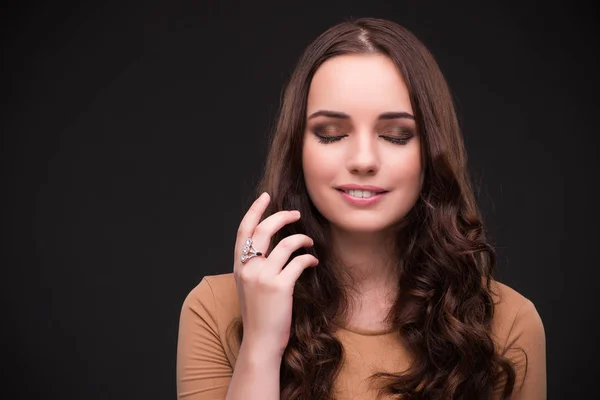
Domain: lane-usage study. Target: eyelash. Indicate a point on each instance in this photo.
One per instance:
(332, 139)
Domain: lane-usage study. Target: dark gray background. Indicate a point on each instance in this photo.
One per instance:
(134, 133)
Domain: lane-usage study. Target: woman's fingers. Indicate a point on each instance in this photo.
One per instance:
(263, 233)
(248, 224)
(284, 249)
(294, 269)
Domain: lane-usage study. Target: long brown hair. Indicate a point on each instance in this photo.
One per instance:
(444, 307)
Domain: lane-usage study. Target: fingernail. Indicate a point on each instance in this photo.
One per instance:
(296, 213)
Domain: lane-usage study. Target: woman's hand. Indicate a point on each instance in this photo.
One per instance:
(264, 287)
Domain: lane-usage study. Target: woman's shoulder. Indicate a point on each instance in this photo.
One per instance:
(209, 311)
(217, 293)
(514, 314)
(505, 297)
(518, 331)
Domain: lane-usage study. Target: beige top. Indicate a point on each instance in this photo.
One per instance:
(206, 358)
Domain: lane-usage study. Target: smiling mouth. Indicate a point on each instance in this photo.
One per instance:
(360, 194)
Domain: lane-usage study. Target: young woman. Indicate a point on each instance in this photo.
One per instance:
(364, 269)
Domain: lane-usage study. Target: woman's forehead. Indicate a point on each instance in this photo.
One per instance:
(358, 84)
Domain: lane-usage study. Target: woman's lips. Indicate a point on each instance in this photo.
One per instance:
(362, 201)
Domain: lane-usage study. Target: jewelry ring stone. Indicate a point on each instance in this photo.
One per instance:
(249, 251)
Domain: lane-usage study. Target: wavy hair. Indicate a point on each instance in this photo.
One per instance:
(444, 306)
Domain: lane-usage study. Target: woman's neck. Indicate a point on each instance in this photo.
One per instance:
(369, 261)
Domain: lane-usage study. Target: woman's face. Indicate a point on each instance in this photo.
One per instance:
(361, 133)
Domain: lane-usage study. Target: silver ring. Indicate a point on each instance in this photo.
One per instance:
(249, 251)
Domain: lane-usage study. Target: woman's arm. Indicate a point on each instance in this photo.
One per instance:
(203, 369)
(256, 375)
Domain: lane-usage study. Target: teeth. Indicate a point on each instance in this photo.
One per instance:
(360, 193)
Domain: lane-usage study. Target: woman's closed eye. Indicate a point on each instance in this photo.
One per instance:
(393, 135)
(328, 133)
(397, 135)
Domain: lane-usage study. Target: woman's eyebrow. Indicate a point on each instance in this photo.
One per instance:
(341, 115)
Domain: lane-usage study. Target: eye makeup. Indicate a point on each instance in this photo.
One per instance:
(329, 133)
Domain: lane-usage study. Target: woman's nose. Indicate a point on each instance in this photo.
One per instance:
(363, 157)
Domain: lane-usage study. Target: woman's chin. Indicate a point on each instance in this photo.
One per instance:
(363, 226)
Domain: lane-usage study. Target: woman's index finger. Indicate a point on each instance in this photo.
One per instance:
(253, 216)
